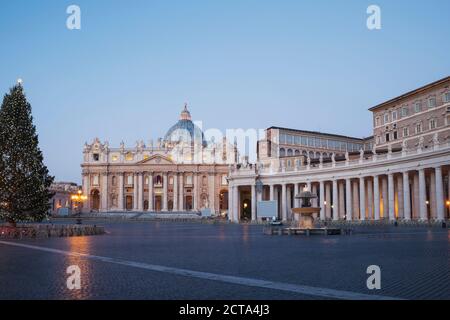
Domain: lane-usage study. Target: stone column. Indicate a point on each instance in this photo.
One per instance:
(362, 199)
(416, 200)
(120, 196)
(175, 192)
(422, 195)
(195, 200)
(341, 191)
(432, 199)
(230, 201)
(322, 199)
(104, 193)
(296, 192)
(212, 193)
(315, 202)
(236, 204)
(86, 190)
(288, 201)
(369, 199)
(391, 196)
(348, 199)
(400, 205)
(328, 200)
(335, 200)
(376, 198)
(356, 212)
(254, 217)
(271, 192)
(135, 191)
(406, 197)
(141, 192)
(283, 202)
(181, 195)
(308, 186)
(384, 194)
(150, 192)
(440, 208)
(165, 192)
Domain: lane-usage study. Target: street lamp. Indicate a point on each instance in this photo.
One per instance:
(79, 198)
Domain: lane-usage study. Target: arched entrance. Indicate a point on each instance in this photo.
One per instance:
(188, 203)
(129, 203)
(95, 200)
(246, 210)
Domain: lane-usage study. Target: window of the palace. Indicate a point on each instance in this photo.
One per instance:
(418, 128)
(405, 111)
(224, 180)
(146, 180)
(189, 179)
(405, 131)
(446, 97)
(96, 156)
(290, 153)
(113, 180)
(129, 156)
(395, 134)
(394, 115)
(95, 180)
(432, 124)
(417, 107)
(387, 137)
(386, 118)
(432, 102)
(377, 121)
(282, 152)
(171, 180)
(130, 180)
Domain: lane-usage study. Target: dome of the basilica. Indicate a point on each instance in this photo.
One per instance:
(184, 130)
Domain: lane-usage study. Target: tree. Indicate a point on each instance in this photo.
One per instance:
(24, 179)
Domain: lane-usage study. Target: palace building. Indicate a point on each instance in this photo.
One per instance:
(401, 172)
(181, 172)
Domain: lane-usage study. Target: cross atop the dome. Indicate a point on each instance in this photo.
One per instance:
(185, 114)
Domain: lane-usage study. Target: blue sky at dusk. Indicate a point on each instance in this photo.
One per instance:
(126, 74)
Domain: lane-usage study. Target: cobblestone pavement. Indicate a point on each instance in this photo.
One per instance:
(414, 263)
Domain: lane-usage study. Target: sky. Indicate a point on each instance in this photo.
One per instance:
(126, 74)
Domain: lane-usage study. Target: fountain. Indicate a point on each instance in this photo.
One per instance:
(306, 211)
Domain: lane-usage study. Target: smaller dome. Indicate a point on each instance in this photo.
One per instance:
(185, 114)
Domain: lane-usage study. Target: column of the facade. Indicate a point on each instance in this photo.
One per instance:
(175, 192)
(433, 198)
(296, 192)
(335, 200)
(141, 191)
(355, 188)
(195, 200)
(104, 192)
(422, 196)
(165, 192)
(120, 196)
(135, 192)
(384, 195)
(362, 199)
(322, 200)
(341, 200)
(181, 194)
(283, 202)
(369, 199)
(236, 205)
(315, 202)
(348, 199)
(376, 198)
(391, 196)
(440, 207)
(86, 190)
(150, 192)
(230, 201)
(406, 197)
(400, 200)
(272, 192)
(328, 200)
(253, 190)
(212, 192)
(416, 200)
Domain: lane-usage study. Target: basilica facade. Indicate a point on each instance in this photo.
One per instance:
(180, 172)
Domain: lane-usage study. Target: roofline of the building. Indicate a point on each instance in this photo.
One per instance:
(410, 93)
(320, 133)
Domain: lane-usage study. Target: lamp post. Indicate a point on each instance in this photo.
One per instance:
(79, 198)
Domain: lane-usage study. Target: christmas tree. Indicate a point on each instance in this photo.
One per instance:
(24, 179)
